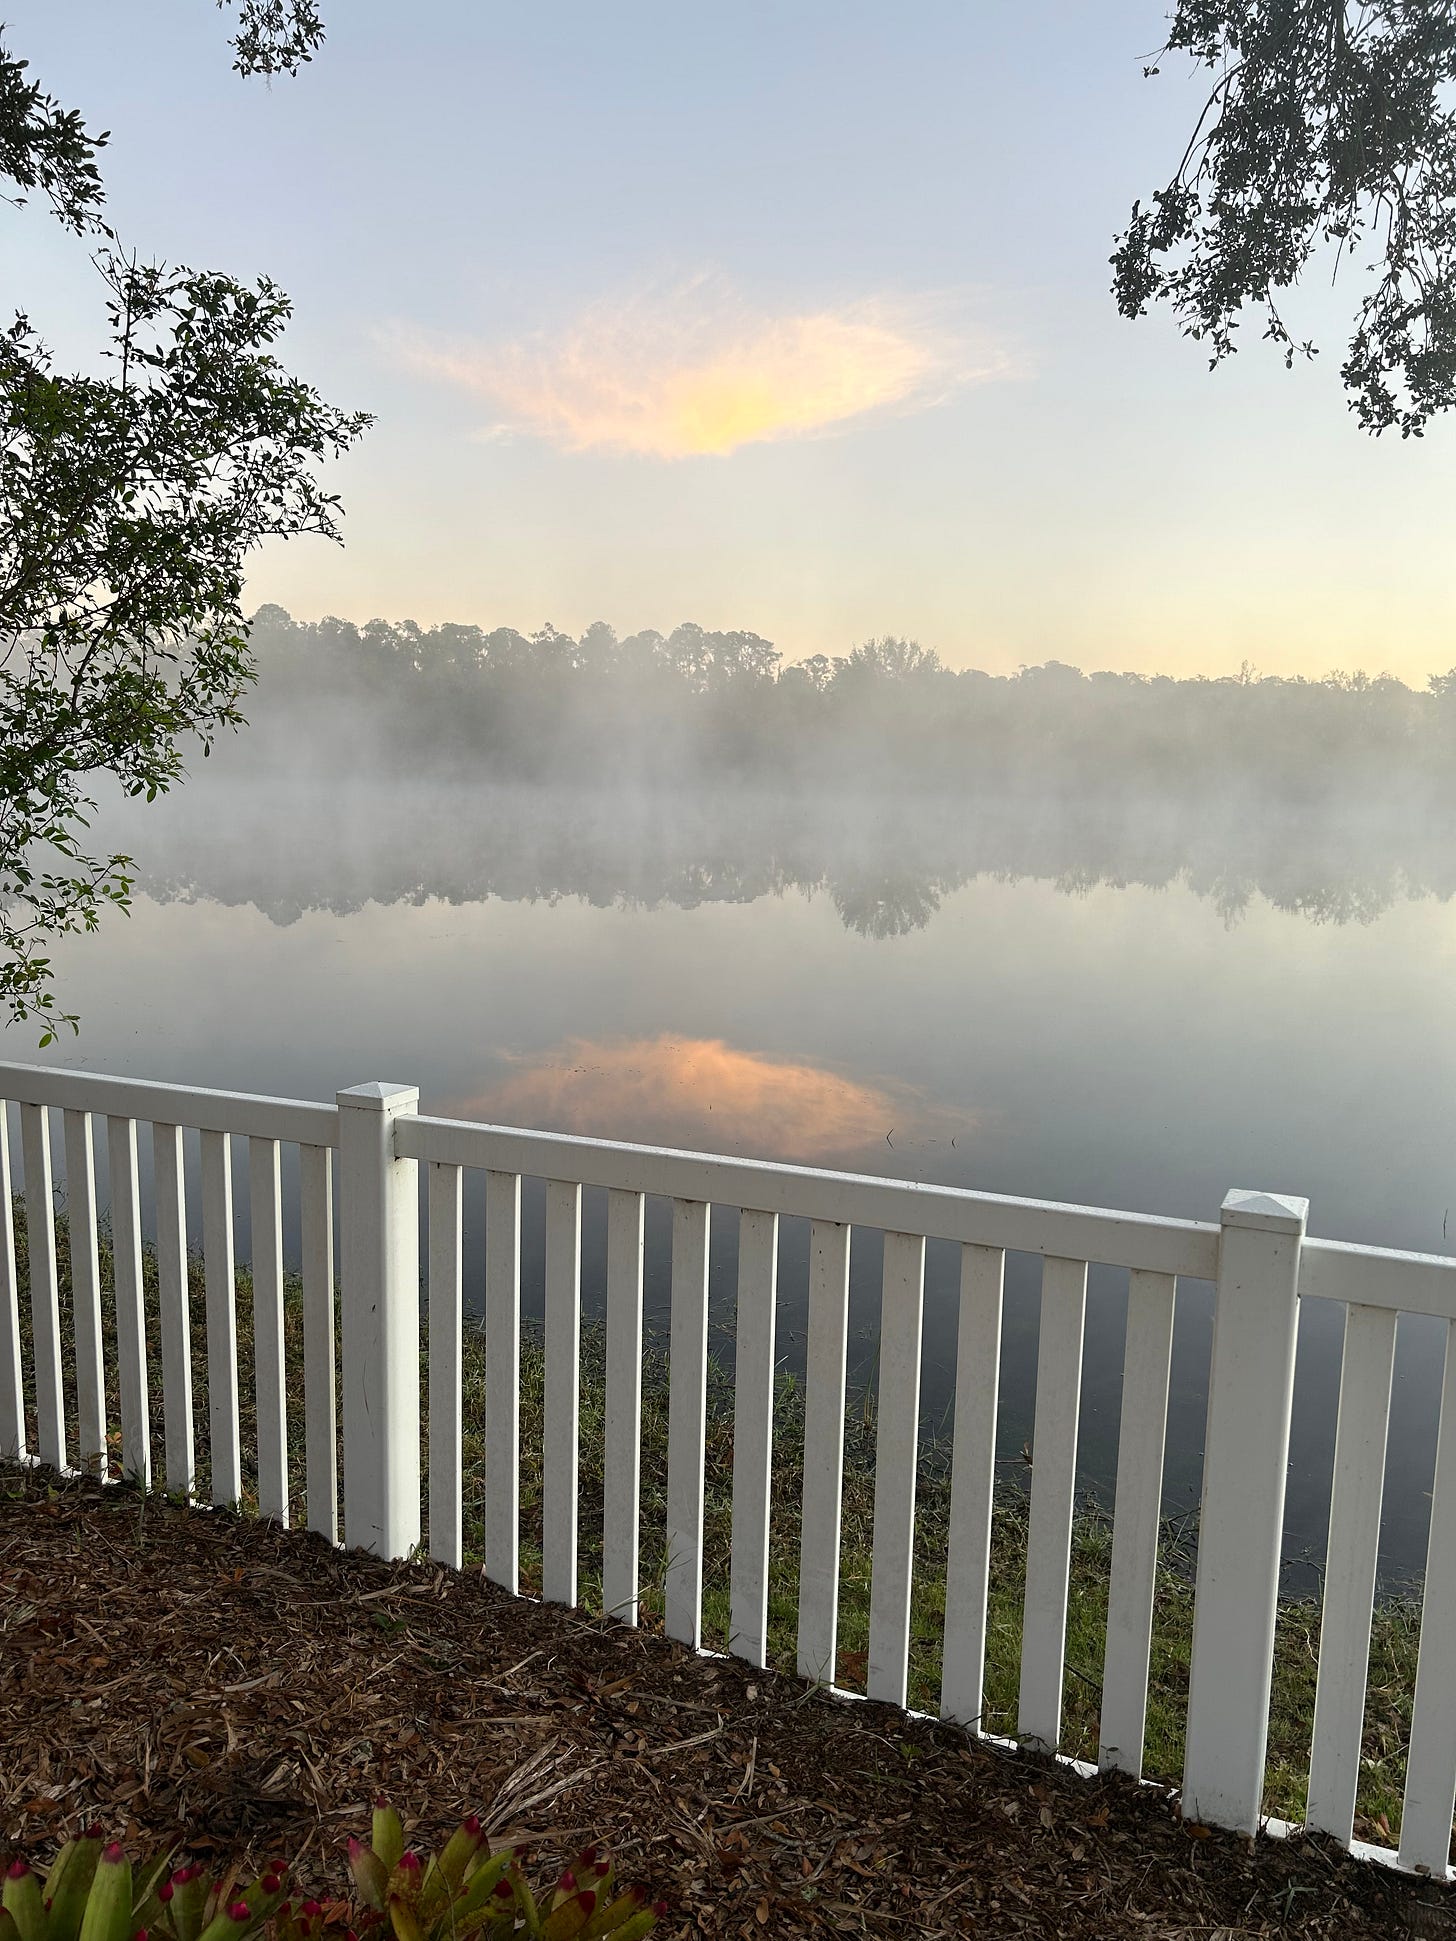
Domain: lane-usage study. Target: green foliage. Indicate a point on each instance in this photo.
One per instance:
(129, 501)
(466, 1892)
(275, 36)
(93, 1893)
(47, 148)
(1329, 122)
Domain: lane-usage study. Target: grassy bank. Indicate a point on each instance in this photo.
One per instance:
(1396, 1629)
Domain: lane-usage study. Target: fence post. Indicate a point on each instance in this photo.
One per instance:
(1245, 1461)
(379, 1275)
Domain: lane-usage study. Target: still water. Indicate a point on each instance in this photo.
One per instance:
(1139, 1037)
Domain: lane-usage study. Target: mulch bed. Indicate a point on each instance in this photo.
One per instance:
(246, 1691)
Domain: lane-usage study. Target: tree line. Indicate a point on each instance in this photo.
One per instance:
(697, 708)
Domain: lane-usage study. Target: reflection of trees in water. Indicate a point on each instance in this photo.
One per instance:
(886, 906)
(885, 866)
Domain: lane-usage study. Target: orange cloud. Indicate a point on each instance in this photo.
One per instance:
(702, 1093)
(692, 372)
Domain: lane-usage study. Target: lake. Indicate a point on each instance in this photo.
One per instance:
(1023, 999)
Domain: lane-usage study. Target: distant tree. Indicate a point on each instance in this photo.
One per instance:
(129, 501)
(1329, 122)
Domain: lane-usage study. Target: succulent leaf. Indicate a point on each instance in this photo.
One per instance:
(639, 1925)
(20, 1896)
(387, 1835)
(67, 1885)
(612, 1916)
(108, 1905)
(460, 1849)
(371, 1876)
(188, 1904)
(483, 1882)
(566, 1921)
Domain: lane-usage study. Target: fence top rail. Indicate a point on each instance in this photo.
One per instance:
(1383, 1277)
(298, 1120)
(1333, 1270)
(1138, 1240)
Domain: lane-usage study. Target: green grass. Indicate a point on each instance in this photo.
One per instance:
(1395, 1633)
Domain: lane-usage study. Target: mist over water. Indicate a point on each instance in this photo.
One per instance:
(1127, 945)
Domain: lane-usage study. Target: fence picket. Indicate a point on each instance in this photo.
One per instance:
(219, 1293)
(12, 1391)
(1430, 1770)
(687, 1405)
(1241, 1523)
(623, 1450)
(559, 1468)
(446, 1322)
(175, 1306)
(320, 1365)
(265, 1207)
(45, 1305)
(85, 1293)
(897, 1454)
(753, 1396)
(1053, 1488)
(824, 1377)
(131, 1318)
(503, 1379)
(972, 1485)
(1137, 1520)
(1350, 1564)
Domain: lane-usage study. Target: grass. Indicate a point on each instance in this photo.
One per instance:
(1395, 1635)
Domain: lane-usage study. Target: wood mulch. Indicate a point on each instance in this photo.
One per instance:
(199, 1678)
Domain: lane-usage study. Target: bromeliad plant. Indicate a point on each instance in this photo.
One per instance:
(466, 1892)
(469, 1893)
(91, 1893)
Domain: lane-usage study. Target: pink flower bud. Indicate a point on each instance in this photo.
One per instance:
(113, 1854)
(165, 1892)
(310, 1908)
(659, 1908)
(587, 1857)
(567, 1882)
(239, 1911)
(503, 1890)
(140, 1935)
(270, 1883)
(17, 1870)
(410, 1862)
(471, 1823)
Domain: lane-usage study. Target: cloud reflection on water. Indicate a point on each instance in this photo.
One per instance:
(703, 1092)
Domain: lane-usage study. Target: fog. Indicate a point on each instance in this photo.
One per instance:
(391, 764)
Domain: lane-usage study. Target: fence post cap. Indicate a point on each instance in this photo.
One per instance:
(1266, 1212)
(380, 1096)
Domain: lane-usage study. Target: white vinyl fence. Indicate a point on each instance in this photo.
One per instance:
(368, 1147)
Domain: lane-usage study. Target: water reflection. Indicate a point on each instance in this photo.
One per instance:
(887, 865)
(685, 1092)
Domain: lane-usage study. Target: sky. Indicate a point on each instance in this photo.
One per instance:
(784, 316)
